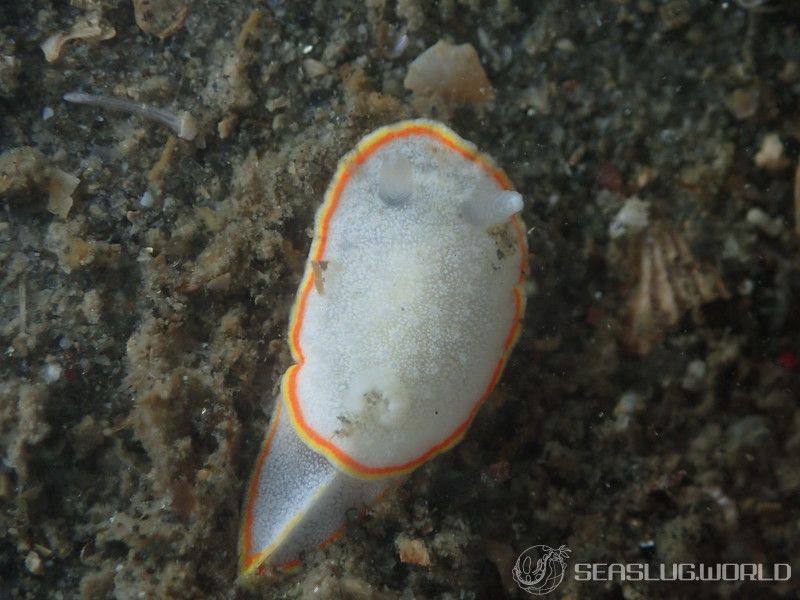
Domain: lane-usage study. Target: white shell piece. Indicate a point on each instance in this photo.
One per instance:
(410, 334)
(299, 499)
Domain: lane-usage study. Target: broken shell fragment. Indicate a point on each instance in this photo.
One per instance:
(667, 281)
(453, 73)
(412, 551)
(91, 29)
(59, 192)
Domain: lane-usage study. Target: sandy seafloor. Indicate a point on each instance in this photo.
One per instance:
(143, 336)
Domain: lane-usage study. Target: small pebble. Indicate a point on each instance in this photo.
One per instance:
(790, 72)
(731, 249)
(47, 113)
(147, 200)
(535, 98)
(565, 45)
(400, 45)
(314, 68)
(747, 434)
(628, 405)
(764, 223)
(632, 217)
(743, 103)
(51, 372)
(34, 563)
(746, 287)
(770, 156)
(608, 176)
(695, 376)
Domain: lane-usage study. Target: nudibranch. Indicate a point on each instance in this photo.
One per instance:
(410, 304)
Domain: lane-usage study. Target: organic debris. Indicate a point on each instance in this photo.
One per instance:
(9, 68)
(250, 29)
(413, 551)
(453, 73)
(77, 252)
(667, 282)
(502, 555)
(21, 170)
(797, 199)
(26, 173)
(158, 172)
(91, 29)
(161, 18)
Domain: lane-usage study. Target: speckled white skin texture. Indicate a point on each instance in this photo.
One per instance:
(301, 499)
(417, 304)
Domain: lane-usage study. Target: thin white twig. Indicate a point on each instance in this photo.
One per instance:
(182, 124)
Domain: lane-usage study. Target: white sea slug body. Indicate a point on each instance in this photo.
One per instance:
(409, 307)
